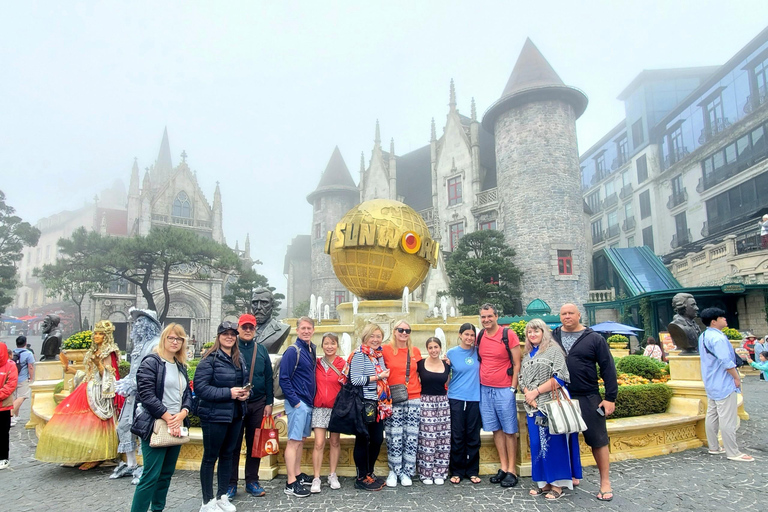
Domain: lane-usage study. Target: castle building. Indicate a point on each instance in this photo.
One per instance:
(685, 177)
(452, 183)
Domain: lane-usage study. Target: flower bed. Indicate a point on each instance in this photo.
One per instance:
(78, 341)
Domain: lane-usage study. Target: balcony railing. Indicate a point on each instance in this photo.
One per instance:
(612, 231)
(595, 207)
(428, 215)
(705, 229)
(677, 199)
(675, 156)
(618, 162)
(708, 133)
(749, 242)
(487, 196)
(629, 224)
(602, 295)
(680, 241)
(598, 237)
(626, 191)
(610, 200)
(755, 100)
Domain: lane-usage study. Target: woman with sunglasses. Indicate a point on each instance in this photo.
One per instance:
(219, 381)
(164, 393)
(402, 428)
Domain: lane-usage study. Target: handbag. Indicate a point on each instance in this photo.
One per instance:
(347, 412)
(265, 439)
(563, 414)
(399, 392)
(161, 438)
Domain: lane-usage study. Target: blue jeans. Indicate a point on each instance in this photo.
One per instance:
(219, 441)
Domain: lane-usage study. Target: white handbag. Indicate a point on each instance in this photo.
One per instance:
(563, 414)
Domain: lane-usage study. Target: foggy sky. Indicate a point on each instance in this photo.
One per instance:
(259, 93)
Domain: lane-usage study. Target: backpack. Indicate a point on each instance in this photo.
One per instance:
(17, 360)
(277, 390)
(505, 340)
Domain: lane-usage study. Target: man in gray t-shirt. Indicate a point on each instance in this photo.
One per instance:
(569, 338)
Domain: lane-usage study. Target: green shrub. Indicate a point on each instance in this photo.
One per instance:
(208, 345)
(640, 365)
(519, 328)
(78, 341)
(194, 421)
(58, 388)
(641, 399)
(191, 367)
(733, 334)
(124, 368)
(618, 338)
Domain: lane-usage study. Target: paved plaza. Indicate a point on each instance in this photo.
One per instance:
(691, 480)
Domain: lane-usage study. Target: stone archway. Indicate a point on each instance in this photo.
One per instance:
(192, 312)
(120, 320)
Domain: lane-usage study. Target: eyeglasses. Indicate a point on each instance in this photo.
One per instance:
(402, 330)
(175, 339)
(248, 327)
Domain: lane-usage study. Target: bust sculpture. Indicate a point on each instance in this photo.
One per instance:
(269, 332)
(683, 329)
(51, 338)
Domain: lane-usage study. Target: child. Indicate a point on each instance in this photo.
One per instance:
(762, 365)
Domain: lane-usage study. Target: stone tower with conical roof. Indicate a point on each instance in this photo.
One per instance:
(538, 176)
(334, 196)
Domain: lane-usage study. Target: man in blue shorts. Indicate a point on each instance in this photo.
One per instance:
(499, 372)
(297, 380)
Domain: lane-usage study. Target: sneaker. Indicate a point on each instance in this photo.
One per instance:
(231, 492)
(304, 479)
(405, 481)
(4, 463)
(254, 489)
(509, 480)
(381, 481)
(13, 421)
(498, 477)
(367, 484)
(224, 504)
(392, 479)
(137, 475)
(439, 481)
(296, 489)
(427, 481)
(316, 484)
(122, 470)
(333, 481)
(211, 506)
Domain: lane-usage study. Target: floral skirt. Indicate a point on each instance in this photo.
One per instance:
(434, 437)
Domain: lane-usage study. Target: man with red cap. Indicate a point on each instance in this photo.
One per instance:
(259, 368)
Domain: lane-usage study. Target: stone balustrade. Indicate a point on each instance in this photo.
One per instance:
(602, 295)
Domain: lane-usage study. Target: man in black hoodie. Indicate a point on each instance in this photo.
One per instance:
(584, 349)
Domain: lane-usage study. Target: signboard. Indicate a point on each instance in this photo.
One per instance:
(732, 288)
(666, 341)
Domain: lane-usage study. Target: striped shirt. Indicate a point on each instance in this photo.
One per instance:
(360, 372)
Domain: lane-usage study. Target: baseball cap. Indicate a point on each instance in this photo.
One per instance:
(226, 326)
(247, 319)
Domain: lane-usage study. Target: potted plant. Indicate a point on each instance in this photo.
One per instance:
(618, 341)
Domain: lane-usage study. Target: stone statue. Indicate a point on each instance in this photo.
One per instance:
(269, 332)
(52, 338)
(683, 329)
(405, 300)
(355, 305)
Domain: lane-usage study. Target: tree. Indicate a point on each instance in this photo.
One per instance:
(140, 259)
(238, 298)
(301, 309)
(482, 270)
(73, 283)
(14, 236)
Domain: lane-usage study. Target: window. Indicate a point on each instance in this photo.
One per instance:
(564, 263)
(118, 286)
(600, 165)
(630, 241)
(609, 189)
(318, 230)
(645, 204)
(457, 231)
(181, 206)
(628, 214)
(454, 191)
(681, 229)
(613, 219)
(642, 169)
(676, 149)
(318, 204)
(678, 192)
(593, 200)
(597, 231)
(638, 136)
(622, 149)
(339, 296)
(648, 237)
(760, 71)
(734, 158)
(487, 225)
(739, 204)
(625, 179)
(714, 119)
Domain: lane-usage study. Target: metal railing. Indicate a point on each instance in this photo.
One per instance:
(619, 161)
(675, 155)
(680, 241)
(709, 132)
(629, 224)
(676, 199)
(610, 200)
(626, 191)
(754, 101)
(613, 231)
(598, 237)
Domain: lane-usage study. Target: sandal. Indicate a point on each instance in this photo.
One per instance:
(455, 479)
(475, 479)
(605, 495)
(538, 491)
(553, 495)
(742, 458)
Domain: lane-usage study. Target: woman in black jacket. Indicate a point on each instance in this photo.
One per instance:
(163, 389)
(219, 381)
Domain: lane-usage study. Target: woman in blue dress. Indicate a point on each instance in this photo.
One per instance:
(555, 459)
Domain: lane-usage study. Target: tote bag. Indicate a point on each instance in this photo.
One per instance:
(265, 439)
(563, 414)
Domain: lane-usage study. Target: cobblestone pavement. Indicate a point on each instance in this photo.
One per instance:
(683, 481)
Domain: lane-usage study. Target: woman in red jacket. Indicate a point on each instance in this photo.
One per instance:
(330, 375)
(8, 379)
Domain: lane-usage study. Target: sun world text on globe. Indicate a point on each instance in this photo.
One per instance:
(379, 247)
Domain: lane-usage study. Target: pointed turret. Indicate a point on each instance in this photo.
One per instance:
(452, 99)
(377, 137)
(392, 171)
(218, 230)
(133, 188)
(361, 183)
(163, 164)
(533, 79)
(433, 131)
(237, 246)
(336, 177)
(247, 246)
(474, 110)
(146, 183)
(134, 196)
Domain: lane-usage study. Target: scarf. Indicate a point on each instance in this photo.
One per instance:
(382, 388)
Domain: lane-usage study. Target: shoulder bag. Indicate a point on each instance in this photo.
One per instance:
(563, 414)
(399, 392)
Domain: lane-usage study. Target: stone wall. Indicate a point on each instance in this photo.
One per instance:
(539, 187)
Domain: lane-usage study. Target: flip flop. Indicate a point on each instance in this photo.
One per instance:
(716, 452)
(475, 479)
(538, 491)
(455, 479)
(742, 458)
(605, 495)
(553, 495)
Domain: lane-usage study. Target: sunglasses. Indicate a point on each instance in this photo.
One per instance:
(402, 330)
(248, 327)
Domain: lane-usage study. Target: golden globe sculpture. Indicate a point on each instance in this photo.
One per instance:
(379, 247)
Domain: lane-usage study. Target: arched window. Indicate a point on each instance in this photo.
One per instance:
(181, 206)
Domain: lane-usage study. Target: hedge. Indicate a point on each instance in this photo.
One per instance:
(641, 399)
(642, 366)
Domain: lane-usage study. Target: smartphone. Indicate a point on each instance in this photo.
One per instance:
(247, 387)
(601, 411)
(184, 431)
